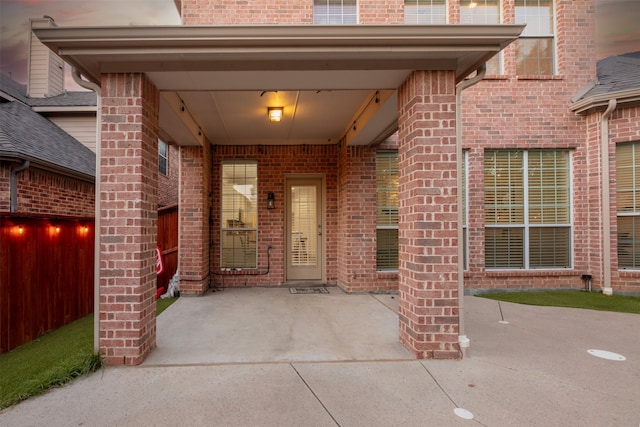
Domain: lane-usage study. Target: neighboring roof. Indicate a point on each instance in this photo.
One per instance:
(11, 89)
(617, 77)
(26, 135)
(67, 99)
(75, 100)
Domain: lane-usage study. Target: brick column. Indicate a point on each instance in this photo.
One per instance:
(428, 285)
(195, 173)
(357, 219)
(128, 231)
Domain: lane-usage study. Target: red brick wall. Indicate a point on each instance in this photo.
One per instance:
(357, 220)
(380, 11)
(511, 112)
(42, 192)
(224, 12)
(169, 184)
(274, 162)
(195, 173)
(128, 229)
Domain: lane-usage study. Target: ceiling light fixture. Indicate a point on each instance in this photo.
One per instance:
(275, 113)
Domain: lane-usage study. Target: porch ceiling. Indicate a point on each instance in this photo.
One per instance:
(334, 82)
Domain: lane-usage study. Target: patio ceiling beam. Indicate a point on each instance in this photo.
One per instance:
(95, 50)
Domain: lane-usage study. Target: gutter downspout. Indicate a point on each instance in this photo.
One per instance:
(606, 202)
(463, 341)
(13, 186)
(96, 248)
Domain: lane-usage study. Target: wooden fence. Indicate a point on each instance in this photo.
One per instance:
(168, 243)
(46, 275)
(46, 271)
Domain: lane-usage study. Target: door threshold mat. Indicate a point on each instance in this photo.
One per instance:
(309, 290)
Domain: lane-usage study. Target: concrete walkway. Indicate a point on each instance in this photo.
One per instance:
(534, 370)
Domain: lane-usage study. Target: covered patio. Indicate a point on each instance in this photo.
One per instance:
(205, 86)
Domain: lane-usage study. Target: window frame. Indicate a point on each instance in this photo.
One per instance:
(325, 18)
(388, 226)
(465, 213)
(529, 34)
(527, 225)
(632, 212)
(495, 64)
(415, 17)
(163, 158)
(237, 231)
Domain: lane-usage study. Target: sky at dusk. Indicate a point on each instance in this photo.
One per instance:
(15, 14)
(618, 24)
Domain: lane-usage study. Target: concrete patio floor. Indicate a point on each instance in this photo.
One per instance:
(251, 325)
(238, 358)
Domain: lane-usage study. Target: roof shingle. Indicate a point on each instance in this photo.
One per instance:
(26, 134)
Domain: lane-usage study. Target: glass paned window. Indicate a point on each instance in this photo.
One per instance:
(239, 210)
(429, 12)
(628, 204)
(163, 157)
(535, 47)
(527, 209)
(335, 12)
(387, 210)
(483, 12)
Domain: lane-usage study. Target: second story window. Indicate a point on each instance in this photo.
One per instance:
(535, 47)
(483, 12)
(335, 12)
(425, 12)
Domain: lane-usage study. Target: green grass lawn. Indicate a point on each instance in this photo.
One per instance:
(575, 299)
(51, 360)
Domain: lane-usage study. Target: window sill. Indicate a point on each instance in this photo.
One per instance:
(536, 77)
(387, 275)
(495, 77)
(529, 273)
(629, 273)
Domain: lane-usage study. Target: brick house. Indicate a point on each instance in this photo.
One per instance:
(334, 153)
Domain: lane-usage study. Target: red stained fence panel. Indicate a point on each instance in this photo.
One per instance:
(46, 275)
(168, 243)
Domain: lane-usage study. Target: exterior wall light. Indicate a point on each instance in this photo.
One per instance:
(275, 113)
(271, 201)
(472, 4)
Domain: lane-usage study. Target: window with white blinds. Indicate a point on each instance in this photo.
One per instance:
(387, 210)
(421, 12)
(628, 204)
(527, 209)
(335, 12)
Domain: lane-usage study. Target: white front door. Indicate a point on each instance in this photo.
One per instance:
(304, 233)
